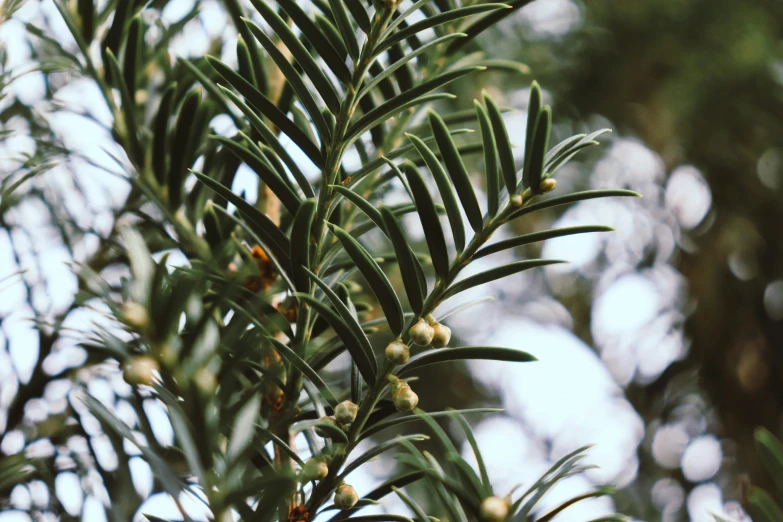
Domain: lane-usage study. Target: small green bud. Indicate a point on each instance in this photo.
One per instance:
(314, 469)
(345, 412)
(516, 200)
(397, 352)
(205, 381)
(547, 185)
(135, 315)
(421, 333)
(140, 370)
(322, 432)
(345, 497)
(493, 509)
(442, 336)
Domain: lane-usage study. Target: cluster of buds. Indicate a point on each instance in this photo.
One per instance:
(404, 398)
(546, 185)
(429, 332)
(345, 496)
(494, 509)
(397, 352)
(315, 468)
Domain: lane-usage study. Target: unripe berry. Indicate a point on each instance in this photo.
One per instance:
(345, 412)
(421, 333)
(135, 315)
(322, 432)
(397, 352)
(547, 185)
(494, 509)
(139, 370)
(345, 497)
(404, 398)
(205, 381)
(516, 200)
(442, 336)
(314, 469)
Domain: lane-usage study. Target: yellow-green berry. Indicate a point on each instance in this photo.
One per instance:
(493, 509)
(345, 412)
(547, 185)
(345, 497)
(404, 398)
(421, 333)
(516, 200)
(135, 315)
(314, 469)
(442, 336)
(140, 370)
(398, 352)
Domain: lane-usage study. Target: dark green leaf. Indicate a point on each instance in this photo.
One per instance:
(160, 136)
(421, 516)
(362, 204)
(503, 144)
(394, 154)
(361, 352)
(377, 450)
(540, 144)
(410, 268)
(771, 451)
(213, 89)
(763, 507)
(457, 171)
(533, 113)
(317, 39)
(380, 426)
(485, 22)
(433, 233)
(245, 62)
(289, 355)
(573, 198)
(382, 112)
(271, 140)
(381, 491)
(346, 333)
(389, 38)
(128, 110)
(345, 27)
(534, 237)
(133, 50)
(496, 273)
(180, 146)
(294, 80)
(111, 423)
(280, 443)
(378, 281)
(269, 249)
(301, 244)
(268, 109)
(337, 433)
(489, 353)
(490, 159)
(260, 224)
(299, 53)
(474, 446)
(446, 193)
(388, 71)
(265, 172)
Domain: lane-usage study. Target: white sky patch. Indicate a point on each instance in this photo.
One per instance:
(688, 196)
